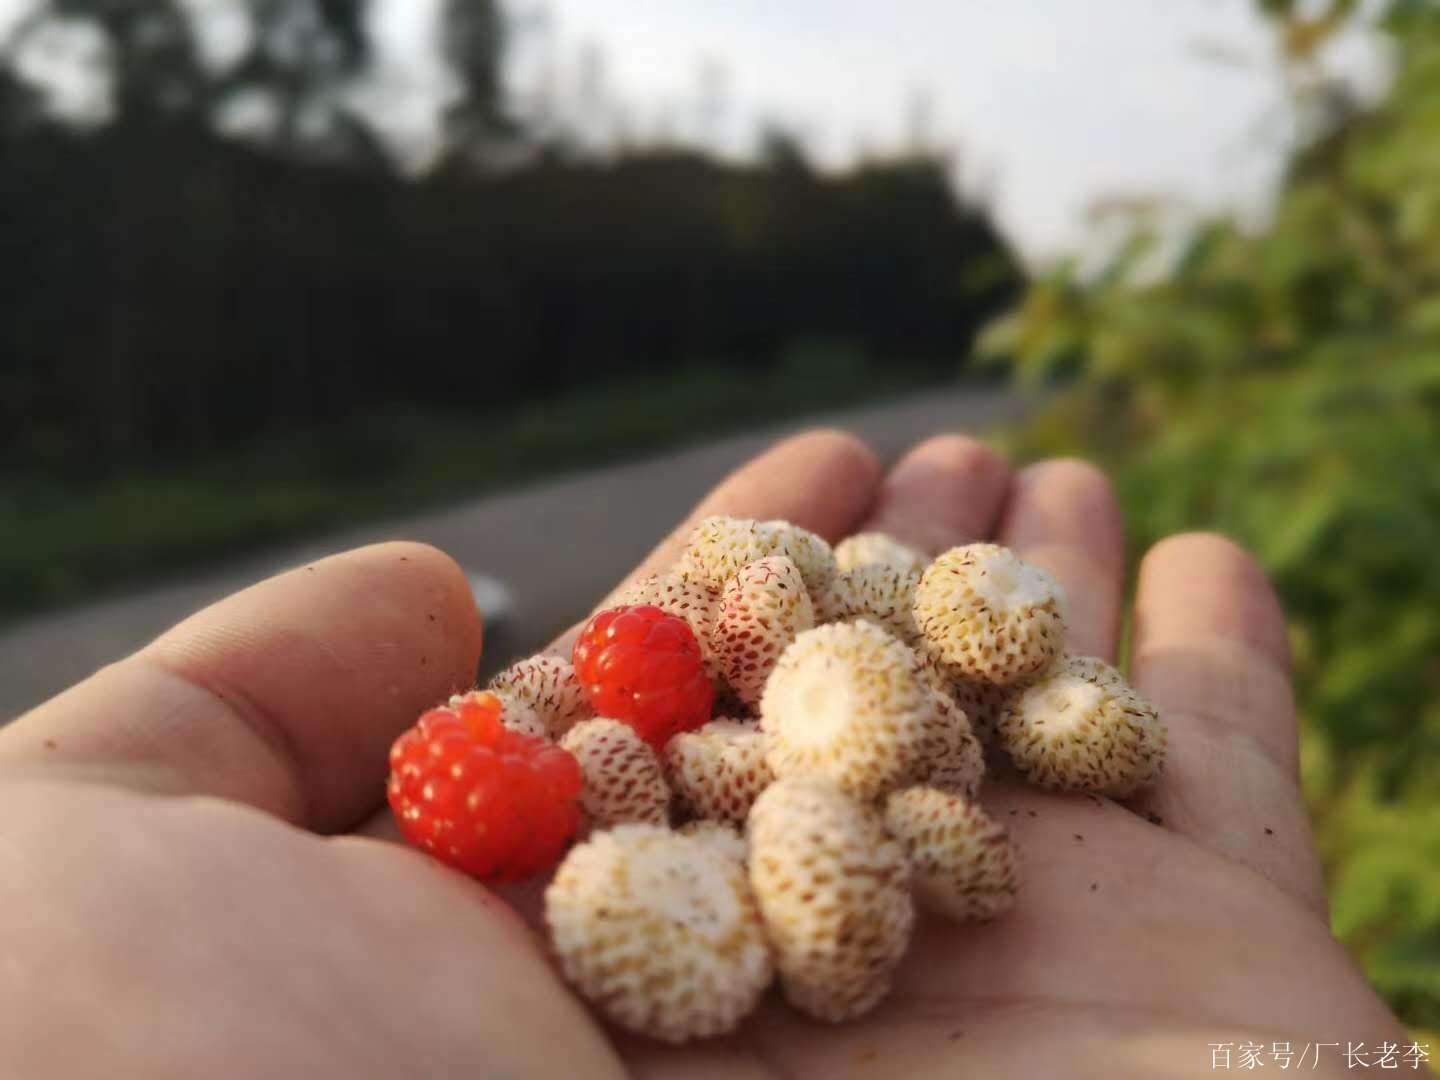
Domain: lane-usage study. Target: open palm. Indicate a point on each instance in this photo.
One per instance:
(194, 880)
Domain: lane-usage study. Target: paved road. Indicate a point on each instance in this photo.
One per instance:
(558, 545)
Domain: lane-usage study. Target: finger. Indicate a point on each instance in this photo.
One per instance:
(947, 491)
(285, 696)
(1063, 516)
(824, 481)
(525, 898)
(1211, 652)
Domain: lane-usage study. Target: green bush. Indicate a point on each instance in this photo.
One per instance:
(1283, 386)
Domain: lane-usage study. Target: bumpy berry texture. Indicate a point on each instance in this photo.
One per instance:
(990, 616)
(1082, 727)
(643, 666)
(878, 549)
(983, 703)
(549, 686)
(763, 607)
(516, 714)
(719, 835)
(845, 703)
(882, 594)
(691, 598)
(932, 671)
(719, 546)
(834, 891)
(952, 758)
(624, 781)
(963, 863)
(718, 771)
(659, 931)
(496, 804)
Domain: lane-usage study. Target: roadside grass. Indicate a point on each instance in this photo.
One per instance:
(65, 540)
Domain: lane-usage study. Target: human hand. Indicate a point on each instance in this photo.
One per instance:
(193, 884)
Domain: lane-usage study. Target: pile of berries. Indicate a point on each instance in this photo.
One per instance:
(772, 745)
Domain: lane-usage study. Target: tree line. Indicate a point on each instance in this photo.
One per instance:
(168, 288)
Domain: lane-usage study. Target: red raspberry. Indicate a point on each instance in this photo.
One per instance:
(492, 802)
(641, 665)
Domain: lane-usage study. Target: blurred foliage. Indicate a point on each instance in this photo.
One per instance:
(1283, 386)
(176, 290)
(219, 330)
(63, 541)
(167, 287)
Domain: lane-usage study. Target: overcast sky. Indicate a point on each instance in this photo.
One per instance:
(1057, 102)
(1049, 104)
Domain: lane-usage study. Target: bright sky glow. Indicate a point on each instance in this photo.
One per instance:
(1048, 106)
(1051, 104)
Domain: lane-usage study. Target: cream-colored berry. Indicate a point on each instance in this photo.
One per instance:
(983, 703)
(549, 685)
(719, 546)
(933, 671)
(624, 780)
(963, 863)
(763, 607)
(879, 593)
(720, 835)
(989, 616)
(874, 548)
(1082, 727)
(953, 759)
(845, 704)
(719, 770)
(659, 931)
(834, 891)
